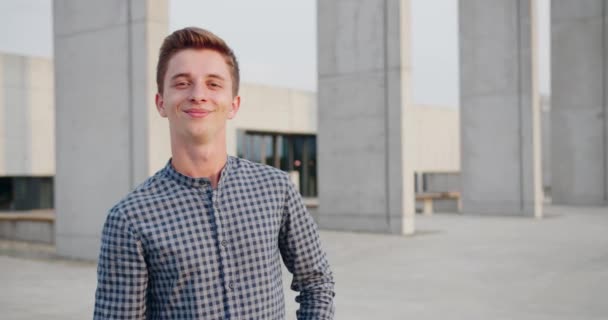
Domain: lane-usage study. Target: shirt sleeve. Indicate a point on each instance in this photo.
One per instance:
(303, 256)
(122, 277)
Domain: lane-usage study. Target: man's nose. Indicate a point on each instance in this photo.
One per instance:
(199, 93)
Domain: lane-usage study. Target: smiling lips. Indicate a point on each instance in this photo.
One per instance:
(197, 113)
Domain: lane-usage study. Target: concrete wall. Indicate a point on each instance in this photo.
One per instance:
(28, 231)
(546, 143)
(263, 108)
(365, 172)
(273, 109)
(105, 53)
(579, 34)
(27, 124)
(500, 123)
(27, 141)
(437, 132)
(30, 226)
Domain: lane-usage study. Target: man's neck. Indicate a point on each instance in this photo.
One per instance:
(201, 161)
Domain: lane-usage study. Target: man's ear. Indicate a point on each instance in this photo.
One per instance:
(236, 104)
(160, 105)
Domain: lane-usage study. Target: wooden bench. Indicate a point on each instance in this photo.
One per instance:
(427, 199)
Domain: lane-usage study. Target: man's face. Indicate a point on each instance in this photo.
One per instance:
(197, 96)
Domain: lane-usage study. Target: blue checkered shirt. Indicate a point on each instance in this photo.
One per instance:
(175, 248)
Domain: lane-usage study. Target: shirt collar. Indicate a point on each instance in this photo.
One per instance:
(170, 172)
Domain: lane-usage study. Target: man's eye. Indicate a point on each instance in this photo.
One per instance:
(214, 85)
(181, 84)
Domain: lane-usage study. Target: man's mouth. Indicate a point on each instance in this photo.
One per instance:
(197, 113)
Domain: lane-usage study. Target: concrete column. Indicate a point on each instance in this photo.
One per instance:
(578, 110)
(366, 177)
(108, 134)
(500, 119)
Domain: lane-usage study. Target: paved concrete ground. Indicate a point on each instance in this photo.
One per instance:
(456, 267)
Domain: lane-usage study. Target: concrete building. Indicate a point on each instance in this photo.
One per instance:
(276, 126)
(27, 129)
(361, 125)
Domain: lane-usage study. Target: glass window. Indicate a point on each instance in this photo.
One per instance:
(6, 193)
(26, 193)
(293, 153)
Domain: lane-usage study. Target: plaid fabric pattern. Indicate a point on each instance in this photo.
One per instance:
(175, 248)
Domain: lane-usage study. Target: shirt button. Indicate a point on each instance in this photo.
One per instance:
(224, 243)
(231, 285)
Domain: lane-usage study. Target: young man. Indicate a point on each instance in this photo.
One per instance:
(204, 237)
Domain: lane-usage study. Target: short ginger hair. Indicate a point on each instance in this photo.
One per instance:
(195, 38)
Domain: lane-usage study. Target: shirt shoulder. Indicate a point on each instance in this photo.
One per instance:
(152, 190)
(253, 171)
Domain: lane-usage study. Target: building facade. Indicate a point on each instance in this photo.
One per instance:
(275, 126)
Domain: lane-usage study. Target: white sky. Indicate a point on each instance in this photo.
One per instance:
(275, 40)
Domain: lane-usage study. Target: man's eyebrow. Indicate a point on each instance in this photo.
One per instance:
(180, 75)
(216, 76)
(188, 75)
